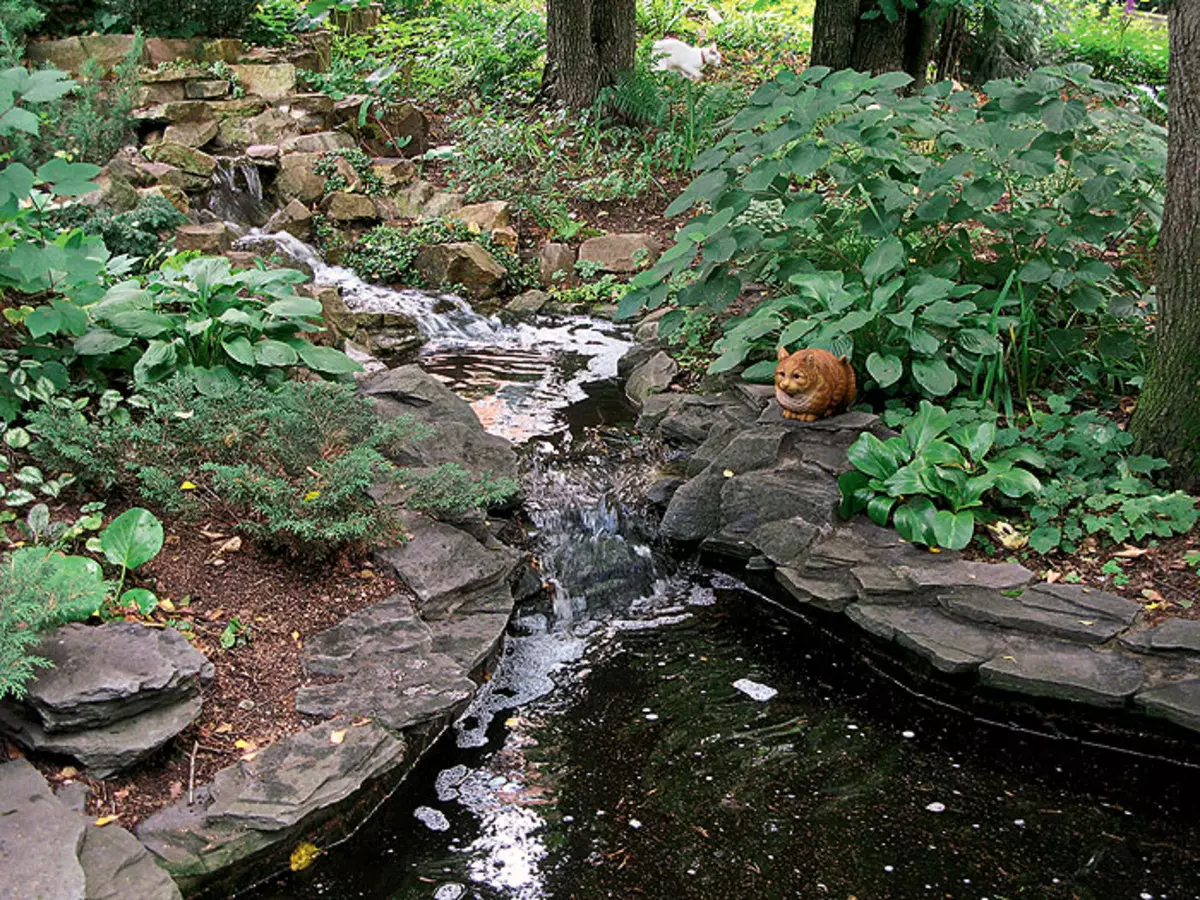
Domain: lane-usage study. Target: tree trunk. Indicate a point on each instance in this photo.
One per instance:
(587, 43)
(843, 39)
(1167, 419)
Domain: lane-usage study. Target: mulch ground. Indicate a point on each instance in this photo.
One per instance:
(204, 583)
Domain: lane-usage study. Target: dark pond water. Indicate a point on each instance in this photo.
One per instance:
(613, 755)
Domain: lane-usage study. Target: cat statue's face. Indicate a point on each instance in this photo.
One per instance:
(795, 373)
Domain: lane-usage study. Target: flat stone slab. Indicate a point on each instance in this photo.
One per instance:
(1178, 703)
(114, 671)
(951, 646)
(268, 800)
(442, 564)
(40, 839)
(470, 640)
(830, 591)
(1065, 611)
(1173, 636)
(388, 671)
(1064, 671)
(109, 749)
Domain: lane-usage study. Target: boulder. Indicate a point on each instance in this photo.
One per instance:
(181, 156)
(263, 153)
(109, 672)
(213, 238)
(400, 121)
(151, 173)
(652, 377)
(1066, 611)
(357, 20)
(410, 202)
(321, 142)
(169, 50)
(556, 263)
(466, 264)
(442, 204)
(271, 126)
(1174, 636)
(175, 111)
(949, 645)
(528, 303)
(341, 206)
(506, 236)
(110, 50)
(160, 92)
(484, 216)
(271, 82)
(207, 89)
(393, 171)
(1178, 702)
(40, 839)
(226, 50)
(297, 180)
(621, 253)
(294, 218)
(191, 134)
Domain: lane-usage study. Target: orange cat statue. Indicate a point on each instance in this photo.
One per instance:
(812, 384)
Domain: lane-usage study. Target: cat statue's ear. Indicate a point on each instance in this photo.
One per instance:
(782, 354)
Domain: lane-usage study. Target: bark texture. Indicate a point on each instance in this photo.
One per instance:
(843, 39)
(587, 43)
(1167, 420)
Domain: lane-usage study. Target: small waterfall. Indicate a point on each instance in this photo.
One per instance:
(444, 319)
(237, 194)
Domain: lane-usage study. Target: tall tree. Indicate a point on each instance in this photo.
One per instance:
(587, 43)
(843, 39)
(1167, 419)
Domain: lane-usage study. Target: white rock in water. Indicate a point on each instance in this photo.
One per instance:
(754, 690)
(936, 807)
(431, 818)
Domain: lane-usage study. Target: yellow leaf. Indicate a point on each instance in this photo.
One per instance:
(223, 728)
(1088, 622)
(295, 635)
(68, 772)
(1012, 658)
(1008, 536)
(512, 723)
(337, 736)
(187, 486)
(361, 721)
(935, 549)
(245, 745)
(304, 856)
(1131, 552)
(105, 820)
(166, 605)
(1153, 606)
(728, 473)
(311, 496)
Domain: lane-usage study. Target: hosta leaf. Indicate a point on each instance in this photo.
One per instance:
(934, 375)
(886, 370)
(326, 359)
(268, 352)
(954, 530)
(132, 538)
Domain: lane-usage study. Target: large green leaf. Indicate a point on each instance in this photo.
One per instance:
(888, 256)
(914, 520)
(953, 530)
(156, 363)
(934, 375)
(132, 538)
(1063, 115)
(326, 359)
(100, 341)
(240, 350)
(886, 370)
(869, 454)
(269, 352)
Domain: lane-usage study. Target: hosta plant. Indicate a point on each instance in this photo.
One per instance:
(930, 480)
(211, 321)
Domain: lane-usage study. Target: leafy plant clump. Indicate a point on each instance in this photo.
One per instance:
(336, 180)
(293, 466)
(1096, 485)
(946, 245)
(136, 233)
(930, 480)
(206, 319)
(1122, 48)
(185, 18)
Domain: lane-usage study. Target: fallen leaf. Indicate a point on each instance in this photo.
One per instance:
(512, 723)
(187, 486)
(1087, 622)
(105, 820)
(1132, 552)
(175, 788)
(212, 535)
(304, 856)
(1053, 576)
(1012, 658)
(223, 728)
(1151, 594)
(68, 772)
(728, 473)
(295, 635)
(1154, 606)
(337, 736)
(311, 496)
(243, 744)
(1008, 536)
(359, 722)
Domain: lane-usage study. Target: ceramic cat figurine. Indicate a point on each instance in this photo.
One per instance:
(671, 55)
(812, 384)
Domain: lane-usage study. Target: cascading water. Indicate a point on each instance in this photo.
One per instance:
(237, 194)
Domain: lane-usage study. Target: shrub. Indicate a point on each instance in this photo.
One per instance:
(183, 18)
(17, 18)
(138, 232)
(292, 466)
(944, 245)
(1120, 48)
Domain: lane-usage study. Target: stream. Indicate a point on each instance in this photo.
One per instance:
(659, 729)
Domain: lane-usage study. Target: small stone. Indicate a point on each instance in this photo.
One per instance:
(754, 690)
(294, 218)
(652, 377)
(246, 705)
(341, 206)
(506, 237)
(297, 178)
(321, 142)
(183, 157)
(191, 134)
(393, 171)
(263, 152)
(528, 303)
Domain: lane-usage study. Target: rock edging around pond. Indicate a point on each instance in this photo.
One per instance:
(382, 686)
(761, 491)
